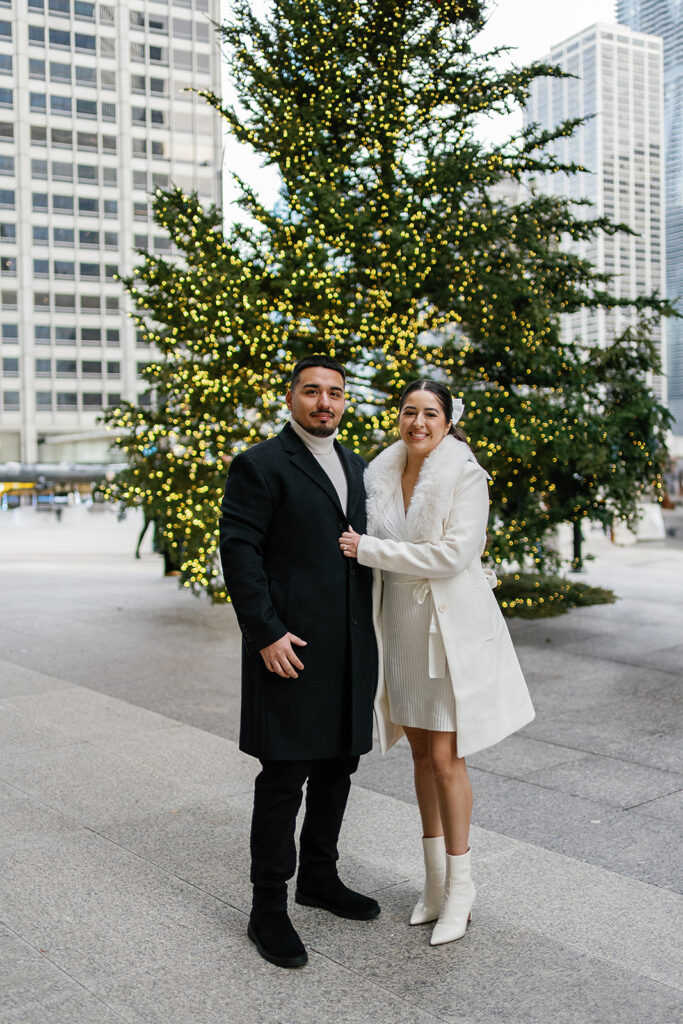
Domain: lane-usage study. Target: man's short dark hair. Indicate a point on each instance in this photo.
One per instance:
(322, 360)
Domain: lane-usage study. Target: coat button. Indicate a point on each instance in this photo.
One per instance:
(442, 607)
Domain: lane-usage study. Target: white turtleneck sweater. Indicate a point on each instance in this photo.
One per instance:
(322, 449)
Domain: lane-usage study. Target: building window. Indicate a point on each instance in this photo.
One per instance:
(7, 198)
(39, 200)
(88, 207)
(87, 174)
(139, 115)
(60, 7)
(90, 303)
(43, 367)
(113, 368)
(6, 165)
(8, 232)
(139, 147)
(64, 268)
(59, 37)
(62, 204)
(8, 265)
(111, 239)
(6, 66)
(111, 207)
(63, 236)
(65, 335)
(87, 141)
(37, 101)
(91, 270)
(6, 31)
(7, 98)
(41, 268)
(8, 299)
(41, 236)
(89, 239)
(66, 367)
(108, 79)
(11, 401)
(92, 336)
(86, 108)
(10, 366)
(113, 336)
(62, 171)
(43, 401)
(84, 11)
(86, 76)
(38, 135)
(10, 332)
(92, 399)
(41, 333)
(62, 138)
(36, 35)
(109, 176)
(67, 399)
(85, 43)
(61, 104)
(36, 69)
(65, 303)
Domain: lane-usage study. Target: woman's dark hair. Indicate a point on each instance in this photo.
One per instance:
(443, 395)
(319, 360)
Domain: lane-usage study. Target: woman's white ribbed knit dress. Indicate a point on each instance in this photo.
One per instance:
(414, 699)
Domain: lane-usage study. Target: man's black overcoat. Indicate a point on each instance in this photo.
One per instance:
(280, 527)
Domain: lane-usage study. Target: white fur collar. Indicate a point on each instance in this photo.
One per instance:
(433, 495)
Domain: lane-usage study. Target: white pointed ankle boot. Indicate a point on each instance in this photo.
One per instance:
(458, 898)
(428, 906)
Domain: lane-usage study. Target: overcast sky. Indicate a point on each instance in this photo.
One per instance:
(530, 27)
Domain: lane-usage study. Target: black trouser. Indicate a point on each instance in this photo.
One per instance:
(277, 797)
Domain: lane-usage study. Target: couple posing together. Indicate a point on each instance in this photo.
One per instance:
(356, 587)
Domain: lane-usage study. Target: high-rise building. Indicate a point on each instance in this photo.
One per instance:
(665, 18)
(93, 117)
(618, 87)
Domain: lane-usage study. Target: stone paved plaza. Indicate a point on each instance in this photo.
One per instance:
(126, 804)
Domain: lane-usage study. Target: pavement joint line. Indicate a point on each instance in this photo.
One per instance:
(382, 988)
(62, 970)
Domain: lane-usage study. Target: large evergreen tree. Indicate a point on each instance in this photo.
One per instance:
(391, 248)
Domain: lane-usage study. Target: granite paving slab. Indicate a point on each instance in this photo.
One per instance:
(613, 781)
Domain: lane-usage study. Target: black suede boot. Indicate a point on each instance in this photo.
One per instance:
(330, 893)
(276, 939)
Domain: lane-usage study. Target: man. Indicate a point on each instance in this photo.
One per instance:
(309, 660)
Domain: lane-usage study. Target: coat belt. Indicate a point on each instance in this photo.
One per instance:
(437, 653)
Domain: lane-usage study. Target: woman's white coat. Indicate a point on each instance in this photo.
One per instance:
(446, 530)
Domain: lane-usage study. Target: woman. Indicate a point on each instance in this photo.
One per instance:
(449, 677)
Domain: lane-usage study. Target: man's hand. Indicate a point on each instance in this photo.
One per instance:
(281, 658)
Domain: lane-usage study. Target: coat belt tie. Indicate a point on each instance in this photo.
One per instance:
(437, 653)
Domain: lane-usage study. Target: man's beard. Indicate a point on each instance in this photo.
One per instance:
(321, 431)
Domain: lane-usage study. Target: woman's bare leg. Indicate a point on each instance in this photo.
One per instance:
(453, 791)
(425, 787)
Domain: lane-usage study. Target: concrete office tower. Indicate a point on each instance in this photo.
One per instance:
(619, 85)
(92, 118)
(665, 18)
